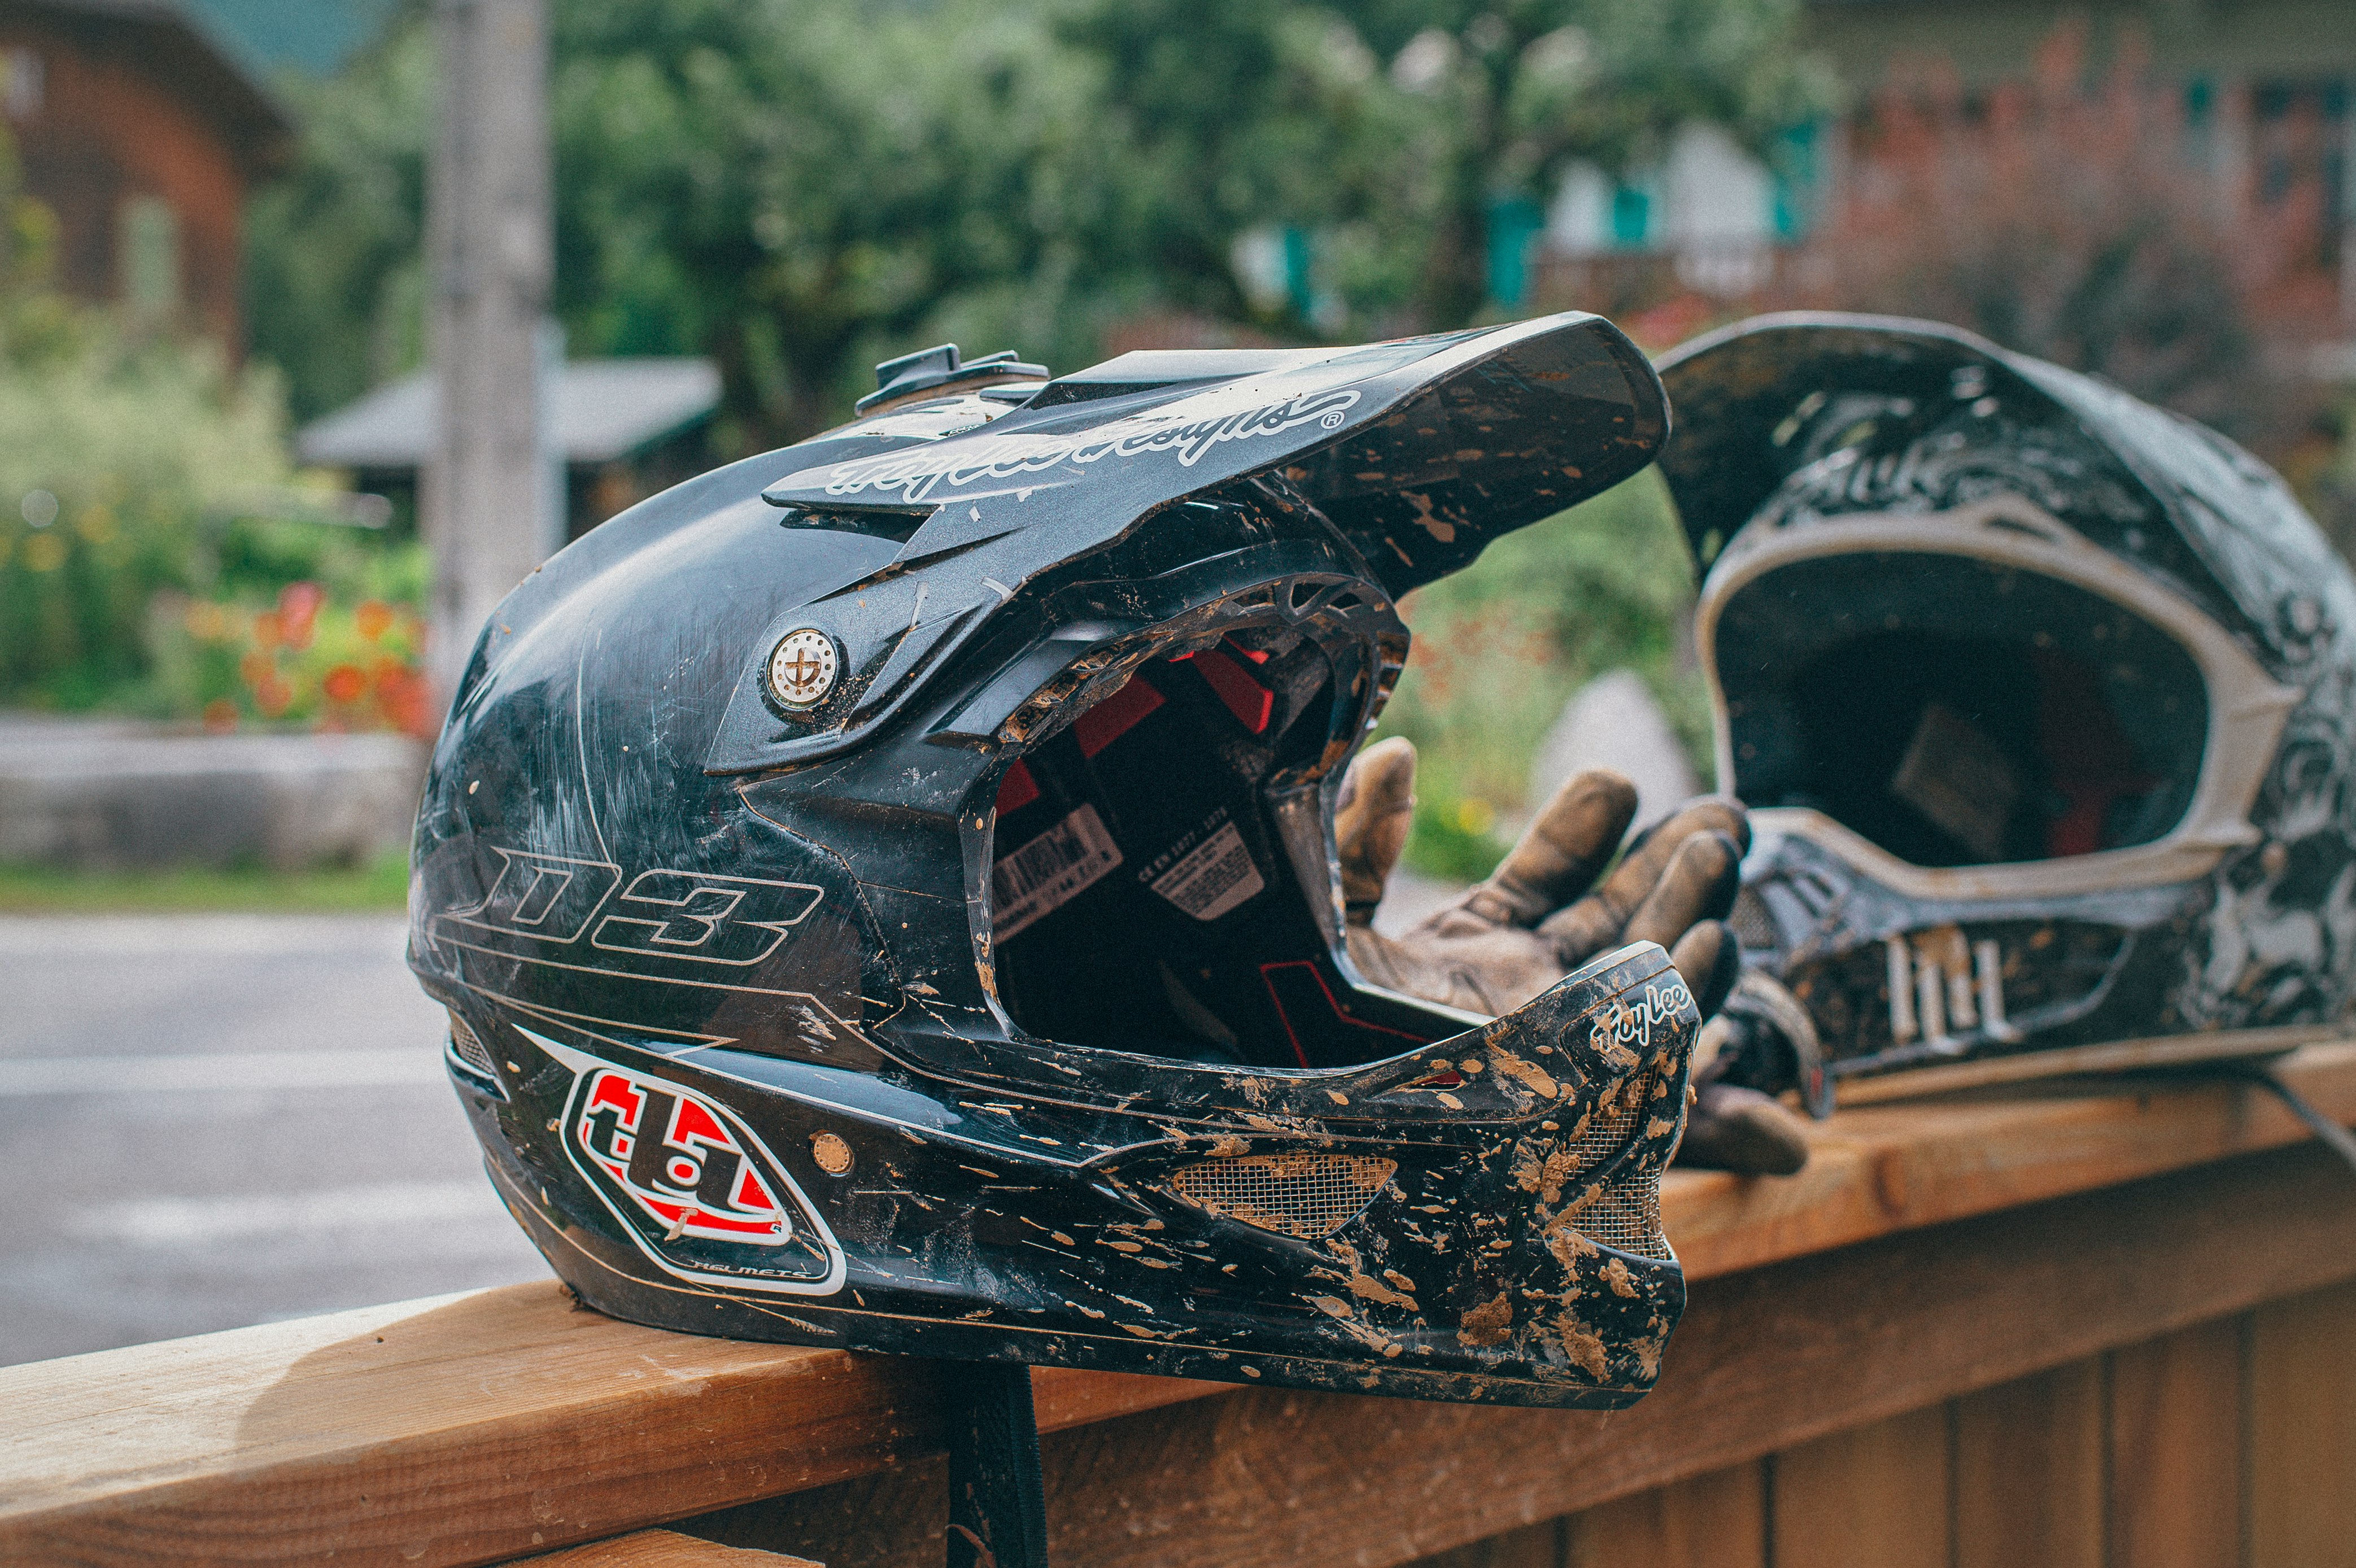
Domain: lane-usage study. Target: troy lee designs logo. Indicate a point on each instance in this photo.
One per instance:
(1627, 1030)
(693, 1187)
(673, 1152)
(916, 473)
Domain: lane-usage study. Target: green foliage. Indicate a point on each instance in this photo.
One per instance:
(802, 187)
(1501, 647)
(144, 489)
(335, 281)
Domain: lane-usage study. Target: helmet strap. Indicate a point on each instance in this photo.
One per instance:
(998, 1505)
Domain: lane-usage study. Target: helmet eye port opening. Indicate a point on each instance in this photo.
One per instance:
(1957, 711)
(1159, 865)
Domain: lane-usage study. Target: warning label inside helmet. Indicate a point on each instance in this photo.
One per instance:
(1215, 876)
(1049, 871)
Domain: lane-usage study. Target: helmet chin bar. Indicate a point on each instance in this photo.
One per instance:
(2247, 709)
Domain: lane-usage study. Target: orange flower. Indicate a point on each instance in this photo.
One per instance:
(406, 702)
(269, 629)
(345, 683)
(256, 668)
(220, 716)
(372, 619)
(272, 696)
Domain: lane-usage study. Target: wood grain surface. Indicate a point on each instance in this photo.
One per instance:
(2175, 1450)
(1870, 1497)
(2302, 1431)
(1767, 1360)
(1715, 1520)
(476, 1428)
(2028, 1471)
(1883, 1169)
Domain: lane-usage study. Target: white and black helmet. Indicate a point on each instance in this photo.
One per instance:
(2040, 697)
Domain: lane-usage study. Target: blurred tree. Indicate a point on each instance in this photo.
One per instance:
(803, 186)
(1514, 89)
(800, 187)
(334, 268)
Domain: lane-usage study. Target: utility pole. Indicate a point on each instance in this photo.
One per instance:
(488, 514)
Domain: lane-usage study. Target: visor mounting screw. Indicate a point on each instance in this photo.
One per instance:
(802, 668)
(833, 1155)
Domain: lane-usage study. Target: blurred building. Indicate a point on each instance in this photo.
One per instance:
(2268, 87)
(143, 138)
(624, 428)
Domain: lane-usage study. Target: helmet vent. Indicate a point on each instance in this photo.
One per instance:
(470, 1049)
(1310, 1196)
(1627, 1218)
(1626, 1215)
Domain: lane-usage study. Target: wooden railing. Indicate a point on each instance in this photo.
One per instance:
(2097, 1325)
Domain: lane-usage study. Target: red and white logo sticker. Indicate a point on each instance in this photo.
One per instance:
(671, 1151)
(692, 1185)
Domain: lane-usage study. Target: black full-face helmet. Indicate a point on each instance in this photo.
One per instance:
(885, 896)
(2042, 699)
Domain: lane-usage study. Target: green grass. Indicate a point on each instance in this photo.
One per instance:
(381, 887)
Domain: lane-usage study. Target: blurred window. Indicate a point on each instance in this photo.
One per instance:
(150, 255)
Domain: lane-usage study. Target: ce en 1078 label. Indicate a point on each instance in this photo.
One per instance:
(1215, 876)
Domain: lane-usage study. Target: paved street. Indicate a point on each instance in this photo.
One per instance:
(210, 1121)
(215, 1120)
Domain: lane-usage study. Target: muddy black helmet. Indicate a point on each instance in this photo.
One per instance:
(2042, 700)
(884, 892)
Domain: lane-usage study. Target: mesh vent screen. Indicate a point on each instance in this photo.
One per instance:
(1626, 1216)
(1306, 1195)
(1614, 1125)
(470, 1049)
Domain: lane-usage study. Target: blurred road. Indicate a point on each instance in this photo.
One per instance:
(215, 1120)
(208, 1121)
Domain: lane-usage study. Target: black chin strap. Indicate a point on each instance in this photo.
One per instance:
(998, 1507)
(2334, 1136)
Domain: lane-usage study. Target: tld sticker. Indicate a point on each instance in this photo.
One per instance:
(669, 1150)
(692, 1185)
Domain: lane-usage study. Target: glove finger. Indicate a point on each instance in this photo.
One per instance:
(1597, 920)
(1559, 855)
(1710, 961)
(1371, 823)
(1733, 1128)
(1699, 883)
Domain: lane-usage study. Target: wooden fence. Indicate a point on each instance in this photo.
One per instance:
(2113, 1325)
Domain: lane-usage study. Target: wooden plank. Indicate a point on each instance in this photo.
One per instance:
(663, 1549)
(1766, 1360)
(466, 1429)
(1715, 1520)
(1533, 1546)
(1892, 1167)
(2176, 1449)
(2303, 1431)
(521, 1421)
(2028, 1471)
(1870, 1497)
(2114, 1056)
(547, 1426)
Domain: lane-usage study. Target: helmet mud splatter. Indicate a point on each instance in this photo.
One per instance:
(884, 892)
